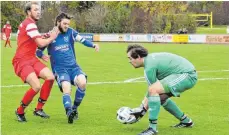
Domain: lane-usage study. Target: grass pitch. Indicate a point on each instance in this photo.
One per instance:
(207, 103)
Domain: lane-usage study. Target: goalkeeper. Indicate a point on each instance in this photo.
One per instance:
(167, 75)
(64, 65)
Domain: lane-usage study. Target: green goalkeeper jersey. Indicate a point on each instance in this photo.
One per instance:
(157, 66)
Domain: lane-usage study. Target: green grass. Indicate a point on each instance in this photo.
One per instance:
(206, 103)
(218, 29)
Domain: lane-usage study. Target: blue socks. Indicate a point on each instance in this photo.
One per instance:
(79, 95)
(67, 102)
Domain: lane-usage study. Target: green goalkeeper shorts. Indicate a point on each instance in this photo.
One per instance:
(178, 83)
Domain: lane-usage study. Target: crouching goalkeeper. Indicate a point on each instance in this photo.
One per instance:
(167, 75)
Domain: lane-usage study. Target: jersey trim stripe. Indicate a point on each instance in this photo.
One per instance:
(36, 37)
(82, 40)
(78, 38)
(31, 26)
(147, 78)
(178, 80)
(34, 33)
(31, 29)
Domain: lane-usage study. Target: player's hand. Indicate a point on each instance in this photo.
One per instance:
(45, 58)
(96, 46)
(54, 33)
(46, 35)
(138, 112)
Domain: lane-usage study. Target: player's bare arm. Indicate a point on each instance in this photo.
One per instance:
(44, 42)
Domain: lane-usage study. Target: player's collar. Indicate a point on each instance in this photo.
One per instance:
(31, 19)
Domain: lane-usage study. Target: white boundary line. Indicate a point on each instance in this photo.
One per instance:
(210, 71)
(207, 71)
(117, 82)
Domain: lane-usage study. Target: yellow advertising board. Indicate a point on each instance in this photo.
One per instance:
(96, 37)
(180, 38)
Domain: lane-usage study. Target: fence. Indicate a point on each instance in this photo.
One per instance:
(156, 38)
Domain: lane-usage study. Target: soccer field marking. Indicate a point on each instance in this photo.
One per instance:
(207, 71)
(201, 79)
(210, 71)
(116, 82)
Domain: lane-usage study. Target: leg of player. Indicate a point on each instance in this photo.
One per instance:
(81, 82)
(67, 102)
(6, 42)
(173, 109)
(34, 82)
(174, 85)
(154, 104)
(48, 76)
(9, 42)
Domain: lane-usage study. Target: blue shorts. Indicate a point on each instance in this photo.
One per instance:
(67, 74)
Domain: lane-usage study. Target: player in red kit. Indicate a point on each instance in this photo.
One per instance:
(7, 31)
(27, 66)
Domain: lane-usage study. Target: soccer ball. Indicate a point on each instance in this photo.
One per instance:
(123, 115)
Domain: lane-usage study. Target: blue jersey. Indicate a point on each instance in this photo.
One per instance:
(62, 51)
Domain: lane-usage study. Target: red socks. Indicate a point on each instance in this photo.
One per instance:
(28, 97)
(44, 94)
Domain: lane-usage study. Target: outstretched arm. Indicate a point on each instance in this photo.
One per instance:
(77, 37)
(87, 42)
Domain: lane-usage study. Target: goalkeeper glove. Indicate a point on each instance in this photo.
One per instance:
(138, 113)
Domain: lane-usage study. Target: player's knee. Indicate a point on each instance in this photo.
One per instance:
(163, 98)
(81, 82)
(152, 91)
(36, 88)
(66, 91)
(50, 77)
(82, 85)
(46, 74)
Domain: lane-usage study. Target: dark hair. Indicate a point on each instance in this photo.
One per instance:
(62, 16)
(28, 6)
(137, 50)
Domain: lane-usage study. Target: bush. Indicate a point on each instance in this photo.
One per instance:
(172, 23)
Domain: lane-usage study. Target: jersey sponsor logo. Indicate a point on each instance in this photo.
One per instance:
(62, 47)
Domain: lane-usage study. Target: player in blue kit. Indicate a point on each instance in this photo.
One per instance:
(64, 66)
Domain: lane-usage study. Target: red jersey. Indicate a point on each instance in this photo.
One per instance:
(26, 35)
(7, 29)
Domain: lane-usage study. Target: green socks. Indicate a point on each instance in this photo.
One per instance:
(154, 104)
(172, 108)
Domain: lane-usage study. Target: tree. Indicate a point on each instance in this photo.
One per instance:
(11, 11)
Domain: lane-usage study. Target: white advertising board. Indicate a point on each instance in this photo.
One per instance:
(138, 38)
(196, 38)
(162, 38)
(228, 29)
(109, 37)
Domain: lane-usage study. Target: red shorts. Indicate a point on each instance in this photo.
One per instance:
(24, 68)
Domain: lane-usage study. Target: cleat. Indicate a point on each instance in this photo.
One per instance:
(20, 117)
(184, 125)
(148, 131)
(41, 113)
(76, 115)
(70, 116)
